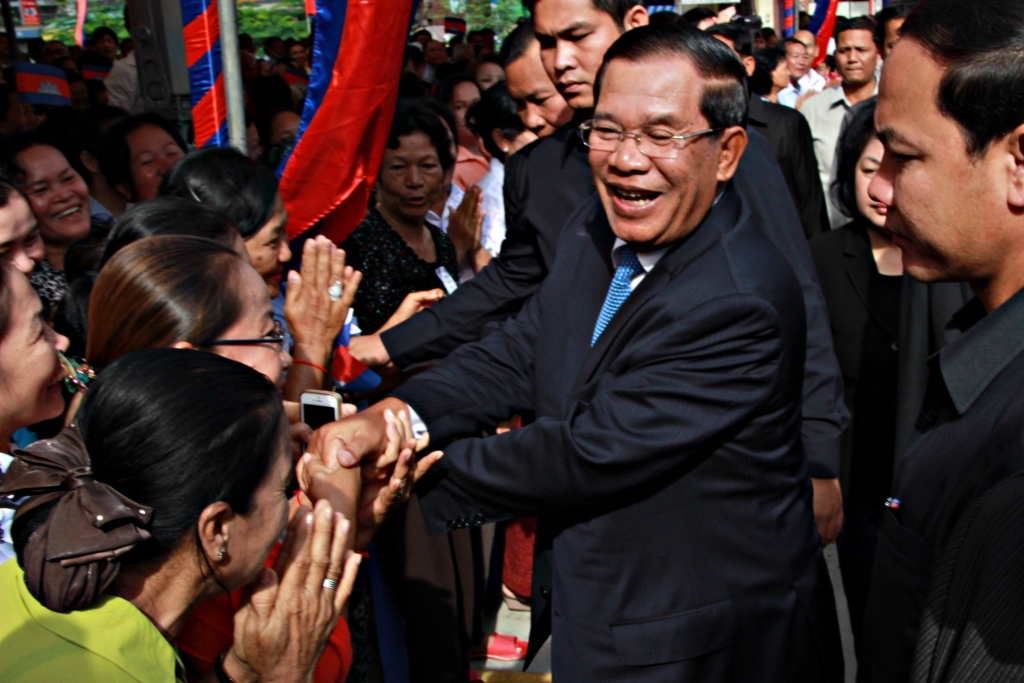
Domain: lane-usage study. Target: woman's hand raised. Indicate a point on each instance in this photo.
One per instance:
(282, 630)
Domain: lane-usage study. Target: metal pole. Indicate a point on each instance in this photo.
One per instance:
(12, 37)
(231, 67)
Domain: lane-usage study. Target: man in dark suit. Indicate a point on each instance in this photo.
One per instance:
(554, 182)
(663, 357)
(951, 116)
(788, 135)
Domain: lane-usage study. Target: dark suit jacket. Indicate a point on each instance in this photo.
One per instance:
(667, 457)
(790, 138)
(845, 266)
(554, 177)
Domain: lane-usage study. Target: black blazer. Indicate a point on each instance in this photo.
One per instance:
(667, 458)
(790, 138)
(554, 177)
(845, 267)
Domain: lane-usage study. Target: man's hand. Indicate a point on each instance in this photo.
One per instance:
(368, 349)
(828, 508)
(378, 440)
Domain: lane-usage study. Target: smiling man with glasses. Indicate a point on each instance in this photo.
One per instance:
(663, 358)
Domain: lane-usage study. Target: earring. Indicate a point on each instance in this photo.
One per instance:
(505, 150)
(221, 554)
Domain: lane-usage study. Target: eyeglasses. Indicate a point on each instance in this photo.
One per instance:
(654, 143)
(276, 338)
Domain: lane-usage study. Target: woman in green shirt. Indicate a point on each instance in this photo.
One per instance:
(171, 486)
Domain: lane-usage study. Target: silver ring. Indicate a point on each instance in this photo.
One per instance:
(335, 291)
(330, 584)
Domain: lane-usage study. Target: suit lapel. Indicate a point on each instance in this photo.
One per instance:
(723, 215)
(860, 270)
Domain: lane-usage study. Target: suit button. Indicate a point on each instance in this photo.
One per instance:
(545, 593)
(931, 415)
(478, 519)
(895, 346)
(451, 525)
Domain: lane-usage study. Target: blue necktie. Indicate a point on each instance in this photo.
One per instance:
(619, 290)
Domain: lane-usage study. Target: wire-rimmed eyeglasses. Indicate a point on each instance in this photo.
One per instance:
(653, 142)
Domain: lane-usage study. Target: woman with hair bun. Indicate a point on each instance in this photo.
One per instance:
(171, 487)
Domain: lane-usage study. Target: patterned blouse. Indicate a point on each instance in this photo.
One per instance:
(50, 284)
(391, 269)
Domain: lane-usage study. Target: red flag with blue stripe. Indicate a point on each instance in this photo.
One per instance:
(823, 25)
(42, 84)
(350, 375)
(201, 27)
(357, 60)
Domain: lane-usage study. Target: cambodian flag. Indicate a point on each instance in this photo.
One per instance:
(349, 374)
(357, 60)
(823, 25)
(42, 84)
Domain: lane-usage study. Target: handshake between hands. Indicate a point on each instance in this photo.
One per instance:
(361, 467)
(365, 463)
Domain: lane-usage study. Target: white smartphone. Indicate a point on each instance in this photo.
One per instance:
(319, 407)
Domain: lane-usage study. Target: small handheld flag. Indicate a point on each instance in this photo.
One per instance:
(455, 25)
(94, 72)
(42, 84)
(349, 374)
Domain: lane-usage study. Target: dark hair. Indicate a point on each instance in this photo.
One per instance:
(766, 61)
(176, 430)
(724, 100)
(102, 31)
(85, 133)
(495, 110)
(5, 100)
(445, 113)
(894, 10)
(665, 17)
(421, 32)
(409, 85)
(169, 216)
(446, 91)
(7, 190)
(767, 31)
(616, 9)
(742, 41)
(414, 116)
(414, 55)
(162, 290)
(698, 14)
(794, 41)
(858, 132)
(858, 24)
(224, 179)
(982, 51)
(116, 156)
(517, 42)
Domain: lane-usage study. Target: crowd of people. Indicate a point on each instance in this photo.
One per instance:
(660, 306)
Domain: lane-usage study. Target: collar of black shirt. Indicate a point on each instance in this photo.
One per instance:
(986, 344)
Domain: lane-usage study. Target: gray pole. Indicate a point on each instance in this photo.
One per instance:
(12, 38)
(231, 66)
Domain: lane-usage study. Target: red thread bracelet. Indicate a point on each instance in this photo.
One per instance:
(312, 365)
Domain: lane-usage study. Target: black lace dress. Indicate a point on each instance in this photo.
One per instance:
(391, 269)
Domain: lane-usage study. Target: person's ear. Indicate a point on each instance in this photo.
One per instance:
(123, 190)
(215, 526)
(1013, 147)
(183, 345)
(503, 143)
(749, 63)
(89, 161)
(731, 143)
(635, 17)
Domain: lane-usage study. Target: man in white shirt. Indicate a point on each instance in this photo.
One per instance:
(856, 57)
(123, 86)
(802, 78)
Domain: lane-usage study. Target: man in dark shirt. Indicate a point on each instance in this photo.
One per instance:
(951, 115)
